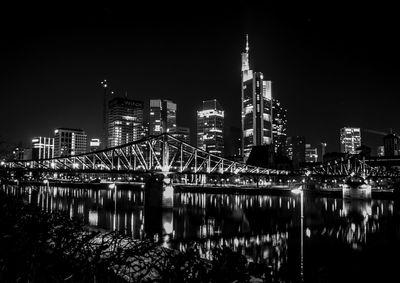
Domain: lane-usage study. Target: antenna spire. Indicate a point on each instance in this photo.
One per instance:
(247, 43)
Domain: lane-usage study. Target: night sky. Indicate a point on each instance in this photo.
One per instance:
(331, 65)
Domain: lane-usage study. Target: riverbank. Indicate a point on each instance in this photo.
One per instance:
(69, 184)
(212, 189)
(278, 191)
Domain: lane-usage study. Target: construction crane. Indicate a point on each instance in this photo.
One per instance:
(378, 132)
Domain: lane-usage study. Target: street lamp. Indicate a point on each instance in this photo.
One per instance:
(299, 191)
(114, 186)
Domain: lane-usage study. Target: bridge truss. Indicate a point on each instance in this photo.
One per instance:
(162, 153)
(356, 164)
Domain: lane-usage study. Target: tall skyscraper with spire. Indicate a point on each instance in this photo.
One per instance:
(256, 107)
(103, 142)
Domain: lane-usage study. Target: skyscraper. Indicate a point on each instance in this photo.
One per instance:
(125, 121)
(391, 145)
(321, 151)
(181, 133)
(42, 147)
(256, 107)
(105, 104)
(162, 116)
(210, 127)
(296, 149)
(311, 153)
(279, 126)
(350, 139)
(107, 95)
(69, 142)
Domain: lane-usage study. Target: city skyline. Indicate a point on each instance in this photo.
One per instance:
(328, 73)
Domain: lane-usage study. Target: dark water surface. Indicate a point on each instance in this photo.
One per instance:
(338, 240)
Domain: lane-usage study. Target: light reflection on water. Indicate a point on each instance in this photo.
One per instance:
(265, 229)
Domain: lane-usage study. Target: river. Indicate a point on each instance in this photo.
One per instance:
(337, 241)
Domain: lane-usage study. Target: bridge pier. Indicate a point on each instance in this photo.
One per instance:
(158, 206)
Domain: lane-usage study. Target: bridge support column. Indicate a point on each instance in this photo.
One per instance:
(158, 207)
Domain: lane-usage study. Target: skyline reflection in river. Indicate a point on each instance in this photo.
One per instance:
(265, 229)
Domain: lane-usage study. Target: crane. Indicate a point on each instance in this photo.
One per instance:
(378, 132)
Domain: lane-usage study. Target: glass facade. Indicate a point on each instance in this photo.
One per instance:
(125, 121)
(350, 139)
(162, 116)
(311, 153)
(256, 107)
(279, 126)
(42, 147)
(69, 142)
(210, 127)
(182, 133)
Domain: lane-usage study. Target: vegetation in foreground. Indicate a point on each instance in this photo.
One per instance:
(36, 246)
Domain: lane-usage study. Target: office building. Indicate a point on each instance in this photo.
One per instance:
(125, 121)
(69, 142)
(232, 143)
(181, 133)
(350, 139)
(42, 148)
(256, 107)
(94, 144)
(107, 96)
(162, 116)
(296, 150)
(311, 153)
(279, 126)
(22, 153)
(210, 127)
(391, 143)
(380, 151)
(321, 151)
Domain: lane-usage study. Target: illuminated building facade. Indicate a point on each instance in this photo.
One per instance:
(107, 95)
(162, 116)
(381, 151)
(181, 133)
(311, 153)
(125, 121)
(350, 139)
(94, 144)
(42, 147)
(210, 127)
(279, 126)
(69, 142)
(256, 107)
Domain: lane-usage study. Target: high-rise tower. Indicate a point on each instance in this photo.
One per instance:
(279, 126)
(256, 107)
(125, 121)
(210, 127)
(162, 116)
(350, 139)
(69, 142)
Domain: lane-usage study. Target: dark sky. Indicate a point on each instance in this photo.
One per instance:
(331, 65)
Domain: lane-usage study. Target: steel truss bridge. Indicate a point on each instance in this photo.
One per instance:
(162, 153)
(379, 167)
(169, 155)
